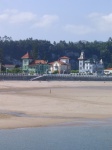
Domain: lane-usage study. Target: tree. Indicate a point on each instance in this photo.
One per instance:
(1, 55)
(34, 52)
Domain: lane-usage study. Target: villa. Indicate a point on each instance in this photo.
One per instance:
(60, 66)
(34, 66)
(90, 65)
(108, 71)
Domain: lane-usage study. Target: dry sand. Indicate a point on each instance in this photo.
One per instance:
(35, 103)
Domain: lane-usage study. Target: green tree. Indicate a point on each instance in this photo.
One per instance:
(34, 52)
(1, 55)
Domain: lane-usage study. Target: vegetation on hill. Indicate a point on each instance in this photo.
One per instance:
(42, 49)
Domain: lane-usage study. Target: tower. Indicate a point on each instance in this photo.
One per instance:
(64, 59)
(81, 62)
(26, 59)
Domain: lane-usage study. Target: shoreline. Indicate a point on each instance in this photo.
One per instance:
(87, 122)
(26, 104)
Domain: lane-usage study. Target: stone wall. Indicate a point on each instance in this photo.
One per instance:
(55, 77)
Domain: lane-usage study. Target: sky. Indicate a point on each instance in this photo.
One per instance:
(55, 20)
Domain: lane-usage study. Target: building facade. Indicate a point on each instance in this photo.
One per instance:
(34, 66)
(90, 65)
(60, 66)
(108, 71)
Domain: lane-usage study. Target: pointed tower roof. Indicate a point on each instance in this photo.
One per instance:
(82, 56)
(101, 61)
(27, 55)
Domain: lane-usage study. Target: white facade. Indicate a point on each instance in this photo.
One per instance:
(61, 66)
(108, 71)
(90, 66)
(81, 62)
(64, 60)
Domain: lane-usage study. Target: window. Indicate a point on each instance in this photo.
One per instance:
(56, 67)
(25, 61)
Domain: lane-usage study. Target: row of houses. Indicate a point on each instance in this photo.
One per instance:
(61, 66)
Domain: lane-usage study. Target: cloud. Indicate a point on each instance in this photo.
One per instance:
(101, 22)
(46, 21)
(22, 17)
(94, 15)
(3, 17)
(14, 16)
(96, 23)
(78, 29)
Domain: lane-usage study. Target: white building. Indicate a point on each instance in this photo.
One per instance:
(61, 66)
(90, 65)
(108, 71)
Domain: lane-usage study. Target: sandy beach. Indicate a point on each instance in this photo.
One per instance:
(44, 103)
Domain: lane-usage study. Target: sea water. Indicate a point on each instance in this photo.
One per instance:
(57, 138)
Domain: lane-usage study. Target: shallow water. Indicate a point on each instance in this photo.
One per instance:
(58, 138)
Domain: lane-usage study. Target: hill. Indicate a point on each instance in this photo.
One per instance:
(11, 51)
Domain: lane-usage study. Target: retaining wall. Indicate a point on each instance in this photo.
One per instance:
(55, 77)
(77, 78)
(16, 77)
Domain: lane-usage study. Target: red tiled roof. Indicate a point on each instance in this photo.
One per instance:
(64, 57)
(35, 62)
(26, 56)
(108, 69)
(8, 65)
(60, 62)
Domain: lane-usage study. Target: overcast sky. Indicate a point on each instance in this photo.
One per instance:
(55, 20)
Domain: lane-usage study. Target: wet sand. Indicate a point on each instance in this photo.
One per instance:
(45, 103)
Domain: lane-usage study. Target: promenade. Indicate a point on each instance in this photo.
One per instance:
(54, 77)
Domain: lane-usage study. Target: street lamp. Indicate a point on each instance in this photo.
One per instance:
(6, 70)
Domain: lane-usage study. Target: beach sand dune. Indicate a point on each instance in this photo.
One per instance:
(42, 103)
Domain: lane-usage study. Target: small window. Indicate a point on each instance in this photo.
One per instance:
(25, 61)
(56, 67)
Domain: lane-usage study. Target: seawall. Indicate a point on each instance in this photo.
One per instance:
(55, 77)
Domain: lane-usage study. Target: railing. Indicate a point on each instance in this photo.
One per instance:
(18, 74)
(64, 77)
(78, 77)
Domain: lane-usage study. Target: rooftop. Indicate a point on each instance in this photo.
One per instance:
(27, 55)
(64, 57)
(36, 62)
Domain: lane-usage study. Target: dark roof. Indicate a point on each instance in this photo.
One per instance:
(91, 60)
